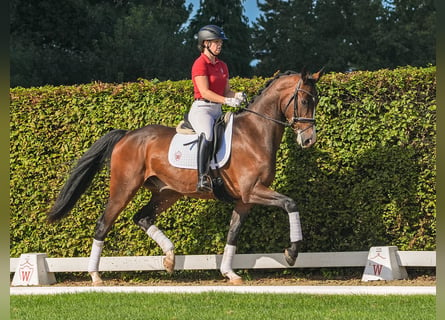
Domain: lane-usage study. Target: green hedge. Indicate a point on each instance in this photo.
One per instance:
(369, 180)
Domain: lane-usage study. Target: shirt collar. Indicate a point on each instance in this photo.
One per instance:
(207, 60)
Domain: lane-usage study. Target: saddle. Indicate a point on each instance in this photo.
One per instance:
(184, 127)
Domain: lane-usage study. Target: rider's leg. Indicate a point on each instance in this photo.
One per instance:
(204, 152)
(202, 116)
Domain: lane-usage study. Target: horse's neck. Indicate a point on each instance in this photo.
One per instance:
(262, 130)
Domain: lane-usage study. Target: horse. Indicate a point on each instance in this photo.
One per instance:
(138, 158)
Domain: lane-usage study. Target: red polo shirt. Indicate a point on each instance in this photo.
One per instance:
(217, 73)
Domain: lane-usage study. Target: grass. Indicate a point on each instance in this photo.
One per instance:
(212, 305)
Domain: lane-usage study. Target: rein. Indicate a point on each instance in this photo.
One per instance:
(286, 124)
(295, 118)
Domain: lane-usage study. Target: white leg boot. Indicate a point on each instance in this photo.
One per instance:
(226, 265)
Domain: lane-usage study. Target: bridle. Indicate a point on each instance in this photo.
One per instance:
(294, 98)
(296, 118)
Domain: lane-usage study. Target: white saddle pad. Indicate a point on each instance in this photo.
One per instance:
(183, 151)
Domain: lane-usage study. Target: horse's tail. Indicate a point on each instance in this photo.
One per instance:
(83, 173)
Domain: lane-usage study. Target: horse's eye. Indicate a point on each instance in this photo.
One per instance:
(304, 102)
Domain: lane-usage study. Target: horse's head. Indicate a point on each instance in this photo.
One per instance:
(299, 108)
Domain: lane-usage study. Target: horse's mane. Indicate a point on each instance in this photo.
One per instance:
(267, 84)
(278, 75)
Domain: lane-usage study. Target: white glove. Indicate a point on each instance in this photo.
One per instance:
(232, 102)
(241, 96)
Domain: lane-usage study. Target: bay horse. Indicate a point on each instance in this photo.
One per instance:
(138, 158)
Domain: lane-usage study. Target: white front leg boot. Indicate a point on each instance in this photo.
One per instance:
(226, 265)
(295, 227)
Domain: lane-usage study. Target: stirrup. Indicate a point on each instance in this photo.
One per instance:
(204, 184)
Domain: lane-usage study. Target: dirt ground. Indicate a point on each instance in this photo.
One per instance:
(250, 279)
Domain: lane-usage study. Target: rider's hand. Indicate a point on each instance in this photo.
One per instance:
(232, 102)
(241, 96)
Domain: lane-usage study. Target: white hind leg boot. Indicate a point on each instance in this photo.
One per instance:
(166, 245)
(93, 264)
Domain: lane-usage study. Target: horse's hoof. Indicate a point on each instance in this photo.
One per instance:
(98, 283)
(233, 278)
(96, 279)
(290, 259)
(237, 281)
(169, 261)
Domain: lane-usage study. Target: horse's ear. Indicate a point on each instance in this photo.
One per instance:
(317, 76)
(304, 74)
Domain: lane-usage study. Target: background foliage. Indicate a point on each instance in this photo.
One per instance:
(79, 41)
(369, 180)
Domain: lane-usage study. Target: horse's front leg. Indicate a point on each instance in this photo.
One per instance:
(296, 236)
(238, 215)
(265, 196)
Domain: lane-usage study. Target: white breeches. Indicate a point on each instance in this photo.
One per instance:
(202, 116)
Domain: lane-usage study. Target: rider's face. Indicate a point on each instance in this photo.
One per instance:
(215, 46)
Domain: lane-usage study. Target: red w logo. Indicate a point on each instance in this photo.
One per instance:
(377, 269)
(25, 272)
(25, 275)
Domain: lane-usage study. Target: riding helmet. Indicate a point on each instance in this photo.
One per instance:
(210, 32)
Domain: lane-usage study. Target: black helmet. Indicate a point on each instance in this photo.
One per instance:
(210, 32)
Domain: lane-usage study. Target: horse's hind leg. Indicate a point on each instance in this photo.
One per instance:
(103, 226)
(123, 187)
(145, 218)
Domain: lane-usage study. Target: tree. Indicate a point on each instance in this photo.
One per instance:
(409, 33)
(146, 43)
(344, 35)
(48, 39)
(349, 30)
(366, 22)
(284, 36)
(78, 41)
(229, 16)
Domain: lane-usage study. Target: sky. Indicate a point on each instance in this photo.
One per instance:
(251, 10)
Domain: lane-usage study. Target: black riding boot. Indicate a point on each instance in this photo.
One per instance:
(204, 151)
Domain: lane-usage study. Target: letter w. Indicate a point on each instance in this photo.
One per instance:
(26, 275)
(377, 269)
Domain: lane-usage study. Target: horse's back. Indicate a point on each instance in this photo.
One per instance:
(137, 144)
(153, 130)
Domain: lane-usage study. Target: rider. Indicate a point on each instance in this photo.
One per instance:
(210, 78)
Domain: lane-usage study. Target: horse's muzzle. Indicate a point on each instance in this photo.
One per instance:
(306, 138)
